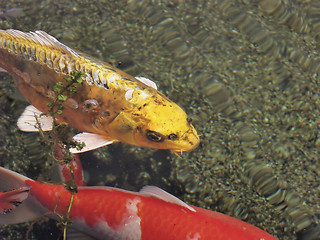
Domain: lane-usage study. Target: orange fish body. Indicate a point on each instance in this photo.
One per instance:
(111, 213)
(110, 103)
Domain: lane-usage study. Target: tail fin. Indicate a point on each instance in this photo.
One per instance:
(11, 180)
(12, 199)
(29, 209)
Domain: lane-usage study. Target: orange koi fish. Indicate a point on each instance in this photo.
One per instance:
(63, 170)
(110, 106)
(116, 214)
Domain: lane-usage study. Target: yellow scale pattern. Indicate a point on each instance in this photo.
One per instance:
(44, 49)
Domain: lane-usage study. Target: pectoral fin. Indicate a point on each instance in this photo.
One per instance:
(92, 141)
(31, 120)
(163, 195)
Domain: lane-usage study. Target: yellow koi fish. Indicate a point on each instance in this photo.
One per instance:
(109, 106)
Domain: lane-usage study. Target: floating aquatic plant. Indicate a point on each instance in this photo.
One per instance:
(60, 137)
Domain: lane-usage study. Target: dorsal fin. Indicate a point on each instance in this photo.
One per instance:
(163, 195)
(39, 37)
(42, 48)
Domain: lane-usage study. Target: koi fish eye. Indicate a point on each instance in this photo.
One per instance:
(172, 136)
(154, 136)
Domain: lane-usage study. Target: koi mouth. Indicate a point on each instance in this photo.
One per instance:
(190, 141)
(188, 145)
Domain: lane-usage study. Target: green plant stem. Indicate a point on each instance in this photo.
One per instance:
(67, 218)
(55, 107)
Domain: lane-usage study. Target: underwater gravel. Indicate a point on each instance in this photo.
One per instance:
(247, 72)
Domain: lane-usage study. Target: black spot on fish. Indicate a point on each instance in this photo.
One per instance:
(33, 58)
(106, 86)
(159, 102)
(185, 138)
(6, 211)
(16, 203)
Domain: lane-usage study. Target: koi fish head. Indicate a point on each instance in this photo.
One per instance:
(159, 123)
(170, 128)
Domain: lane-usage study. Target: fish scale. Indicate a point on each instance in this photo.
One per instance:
(126, 109)
(112, 213)
(61, 58)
